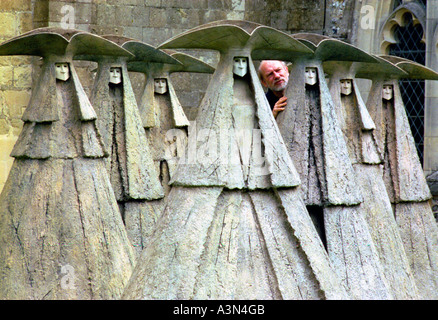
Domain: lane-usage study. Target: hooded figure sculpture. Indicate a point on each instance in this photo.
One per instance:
(402, 172)
(234, 225)
(310, 128)
(61, 233)
(134, 178)
(359, 132)
(163, 117)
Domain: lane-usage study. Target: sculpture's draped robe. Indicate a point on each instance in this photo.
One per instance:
(61, 233)
(234, 226)
(130, 164)
(166, 127)
(359, 132)
(406, 186)
(314, 138)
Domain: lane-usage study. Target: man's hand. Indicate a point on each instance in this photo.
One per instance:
(279, 106)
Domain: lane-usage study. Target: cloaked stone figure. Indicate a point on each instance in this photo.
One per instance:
(61, 233)
(134, 178)
(359, 132)
(403, 174)
(312, 133)
(163, 117)
(234, 225)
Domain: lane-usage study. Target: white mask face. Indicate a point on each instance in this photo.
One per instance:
(387, 92)
(346, 87)
(115, 75)
(160, 86)
(62, 71)
(240, 66)
(310, 76)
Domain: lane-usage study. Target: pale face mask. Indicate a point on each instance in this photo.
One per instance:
(346, 87)
(387, 92)
(240, 66)
(115, 75)
(160, 86)
(62, 71)
(310, 75)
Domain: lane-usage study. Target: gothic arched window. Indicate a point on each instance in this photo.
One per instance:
(409, 44)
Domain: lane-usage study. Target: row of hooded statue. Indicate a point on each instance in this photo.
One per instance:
(108, 198)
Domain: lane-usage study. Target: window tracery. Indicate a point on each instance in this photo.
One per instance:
(403, 35)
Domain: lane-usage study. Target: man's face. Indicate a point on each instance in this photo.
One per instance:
(274, 75)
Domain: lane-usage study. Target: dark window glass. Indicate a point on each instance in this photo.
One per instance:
(409, 46)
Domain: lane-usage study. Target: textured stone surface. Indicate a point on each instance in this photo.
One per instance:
(130, 163)
(58, 212)
(169, 19)
(162, 115)
(223, 166)
(16, 18)
(402, 173)
(418, 231)
(353, 254)
(407, 189)
(56, 244)
(213, 243)
(225, 232)
(153, 21)
(317, 146)
(358, 128)
(315, 141)
(379, 215)
(134, 177)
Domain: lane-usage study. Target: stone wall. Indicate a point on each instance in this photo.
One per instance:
(152, 21)
(15, 79)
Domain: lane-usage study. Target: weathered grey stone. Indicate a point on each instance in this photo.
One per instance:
(358, 129)
(225, 232)
(213, 243)
(432, 181)
(134, 177)
(403, 176)
(162, 115)
(317, 146)
(212, 171)
(403, 173)
(353, 253)
(62, 236)
(312, 109)
(418, 229)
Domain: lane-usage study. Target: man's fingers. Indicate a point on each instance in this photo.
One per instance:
(276, 110)
(282, 101)
(280, 105)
